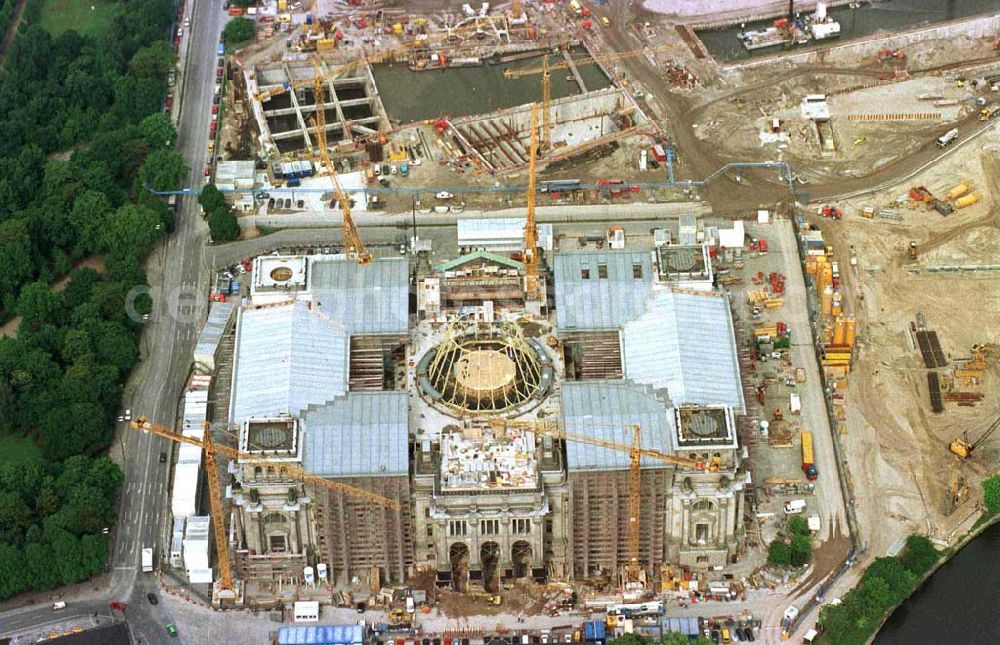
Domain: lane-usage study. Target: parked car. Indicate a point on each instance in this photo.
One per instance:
(163, 460)
(171, 629)
(153, 600)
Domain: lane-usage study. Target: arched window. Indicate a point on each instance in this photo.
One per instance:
(275, 518)
(703, 505)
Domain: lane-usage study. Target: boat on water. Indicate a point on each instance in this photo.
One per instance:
(818, 26)
(822, 26)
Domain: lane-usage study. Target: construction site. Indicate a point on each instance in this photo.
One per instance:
(496, 422)
(920, 283)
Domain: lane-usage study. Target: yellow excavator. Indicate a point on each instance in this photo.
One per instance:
(962, 448)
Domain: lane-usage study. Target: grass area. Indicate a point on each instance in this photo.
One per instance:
(18, 449)
(58, 16)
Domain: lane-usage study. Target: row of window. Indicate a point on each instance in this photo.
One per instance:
(460, 528)
(602, 271)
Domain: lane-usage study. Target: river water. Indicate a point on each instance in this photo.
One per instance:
(415, 96)
(959, 604)
(891, 15)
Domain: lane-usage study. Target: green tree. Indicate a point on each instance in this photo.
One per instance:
(779, 553)
(153, 61)
(801, 549)
(38, 304)
(223, 225)
(131, 230)
(991, 494)
(798, 525)
(158, 130)
(90, 215)
(919, 555)
(212, 199)
(632, 639)
(239, 30)
(16, 251)
(891, 570)
(163, 170)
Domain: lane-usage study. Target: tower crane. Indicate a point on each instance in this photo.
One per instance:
(226, 585)
(531, 281)
(546, 104)
(636, 452)
(352, 239)
(962, 448)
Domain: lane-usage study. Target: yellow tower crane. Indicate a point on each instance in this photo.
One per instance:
(531, 280)
(546, 104)
(551, 428)
(227, 591)
(352, 239)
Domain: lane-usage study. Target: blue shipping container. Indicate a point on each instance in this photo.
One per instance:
(593, 630)
(234, 286)
(321, 635)
(293, 182)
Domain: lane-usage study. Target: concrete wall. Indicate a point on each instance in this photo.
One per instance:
(982, 27)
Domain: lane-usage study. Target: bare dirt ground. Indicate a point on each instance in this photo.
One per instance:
(896, 447)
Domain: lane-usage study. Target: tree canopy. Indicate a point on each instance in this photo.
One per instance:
(991, 494)
(61, 376)
(240, 30)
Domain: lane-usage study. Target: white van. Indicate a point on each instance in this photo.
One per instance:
(795, 506)
(947, 138)
(810, 636)
(56, 606)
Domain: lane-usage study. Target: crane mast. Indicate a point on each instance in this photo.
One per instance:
(352, 239)
(548, 428)
(546, 143)
(227, 586)
(227, 590)
(531, 283)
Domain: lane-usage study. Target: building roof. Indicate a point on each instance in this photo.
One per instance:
(684, 344)
(587, 301)
(211, 334)
(363, 299)
(288, 357)
(479, 255)
(363, 433)
(607, 410)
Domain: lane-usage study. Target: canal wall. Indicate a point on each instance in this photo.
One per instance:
(979, 27)
(776, 10)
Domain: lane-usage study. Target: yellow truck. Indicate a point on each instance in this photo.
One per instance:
(989, 112)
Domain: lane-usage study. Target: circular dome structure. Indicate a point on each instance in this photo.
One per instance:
(482, 367)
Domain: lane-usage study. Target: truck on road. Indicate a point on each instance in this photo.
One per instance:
(147, 560)
(808, 463)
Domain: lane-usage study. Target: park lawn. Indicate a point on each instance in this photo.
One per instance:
(18, 449)
(58, 16)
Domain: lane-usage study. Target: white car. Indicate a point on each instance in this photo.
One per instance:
(128, 414)
(791, 613)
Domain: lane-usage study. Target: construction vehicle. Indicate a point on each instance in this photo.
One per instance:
(831, 212)
(531, 279)
(634, 575)
(988, 113)
(962, 448)
(958, 488)
(227, 588)
(352, 239)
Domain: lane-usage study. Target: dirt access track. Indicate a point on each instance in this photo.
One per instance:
(737, 102)
(896, 447)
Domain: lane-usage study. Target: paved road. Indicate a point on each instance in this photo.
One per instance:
(154, 388)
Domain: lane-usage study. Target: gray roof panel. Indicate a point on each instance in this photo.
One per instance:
(288, 357)
(684, 344)
(587, 301)
(364, 299)
(607, 410)
(361, 434)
